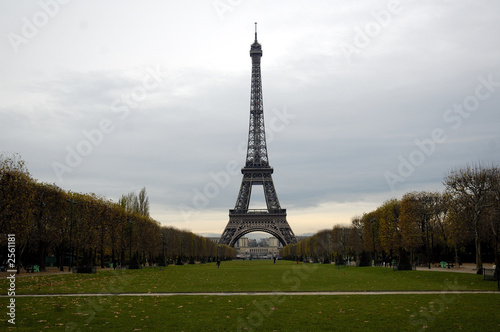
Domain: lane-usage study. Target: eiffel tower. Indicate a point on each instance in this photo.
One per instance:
(257, 172)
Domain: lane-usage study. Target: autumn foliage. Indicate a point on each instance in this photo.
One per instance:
(65, 228)
(421, 228)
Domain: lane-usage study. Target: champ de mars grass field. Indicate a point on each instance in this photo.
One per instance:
(255, 296)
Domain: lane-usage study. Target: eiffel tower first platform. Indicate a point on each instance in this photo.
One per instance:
(257, 172)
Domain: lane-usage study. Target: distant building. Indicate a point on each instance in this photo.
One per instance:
(214, 239)
(251, 248)
(242, 242)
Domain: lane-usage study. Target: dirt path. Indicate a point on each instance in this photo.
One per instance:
(465, 268)
(261, 293)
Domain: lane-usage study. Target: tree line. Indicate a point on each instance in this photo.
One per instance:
(462, 223)
(78, 229)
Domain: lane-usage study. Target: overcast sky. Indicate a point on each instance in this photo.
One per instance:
(363, 100)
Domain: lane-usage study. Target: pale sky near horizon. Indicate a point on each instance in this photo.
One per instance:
(364, 100)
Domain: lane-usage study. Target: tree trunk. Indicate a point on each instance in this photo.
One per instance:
(41, 255)
(479, 261)
(496, 248)
(496, 239)
(102, 257)
(60, 257)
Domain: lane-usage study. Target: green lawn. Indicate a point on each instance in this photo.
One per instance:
(261, 313)
(395, 312)
(242, 276)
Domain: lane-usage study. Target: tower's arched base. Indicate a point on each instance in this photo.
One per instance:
(244, 222)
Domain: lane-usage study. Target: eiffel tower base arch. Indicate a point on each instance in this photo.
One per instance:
(244, 222)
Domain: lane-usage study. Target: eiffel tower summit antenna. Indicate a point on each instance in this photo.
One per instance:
(257, 172)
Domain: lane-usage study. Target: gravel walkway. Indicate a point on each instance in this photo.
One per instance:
(260, 293)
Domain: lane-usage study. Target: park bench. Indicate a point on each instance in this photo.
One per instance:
(85, 269)
(404, 267)
(340, 265)
(448, 265)
(363, 264)
(32, 268)
(490, 274)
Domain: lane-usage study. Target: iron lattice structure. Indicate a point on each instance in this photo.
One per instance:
(257, 171)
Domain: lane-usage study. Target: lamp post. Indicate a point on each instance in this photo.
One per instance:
(131, 222)
(163, 245)
(179, 258)
(373, 238)
(38, 227)
(426, 225)
(427, 240)
(71, 202)
(497, 272)
(344, 240)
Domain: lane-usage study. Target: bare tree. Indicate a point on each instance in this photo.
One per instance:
(493, 215)
(356, 235)
(143, 203)
(474, 186)
(133, 203)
